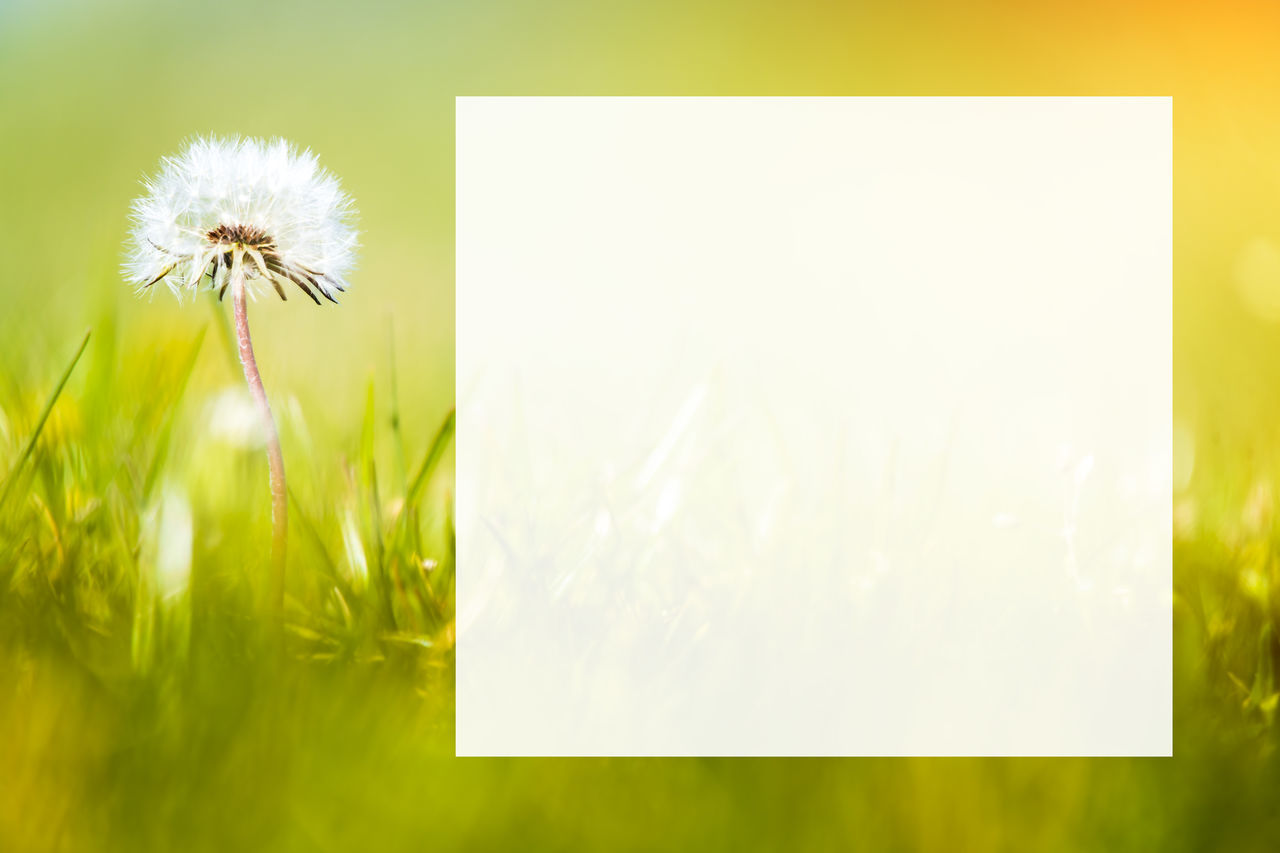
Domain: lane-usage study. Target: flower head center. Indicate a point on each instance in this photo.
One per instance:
(246, 236)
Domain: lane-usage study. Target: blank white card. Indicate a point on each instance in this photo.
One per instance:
(814, 426)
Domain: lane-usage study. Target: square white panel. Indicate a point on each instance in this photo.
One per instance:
(814, 426)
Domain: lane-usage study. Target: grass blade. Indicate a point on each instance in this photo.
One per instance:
(161, 451)
(226, 333)
(12, 476)
(429, 464)
(402, 466)
(433, 457)
(308, 525)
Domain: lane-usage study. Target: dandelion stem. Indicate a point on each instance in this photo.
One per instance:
(275, 459)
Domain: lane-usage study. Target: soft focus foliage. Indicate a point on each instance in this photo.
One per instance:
(132, 552)
(139, 707)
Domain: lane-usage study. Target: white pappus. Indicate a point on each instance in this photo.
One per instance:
(226, 202)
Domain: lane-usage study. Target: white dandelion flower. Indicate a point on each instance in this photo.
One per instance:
(226, 202)
(243, 213)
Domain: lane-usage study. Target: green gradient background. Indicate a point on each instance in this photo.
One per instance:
(92, 94)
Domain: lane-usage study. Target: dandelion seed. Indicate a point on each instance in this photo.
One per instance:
(244, 214)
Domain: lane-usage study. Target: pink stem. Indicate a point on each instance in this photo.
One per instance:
(275, 459)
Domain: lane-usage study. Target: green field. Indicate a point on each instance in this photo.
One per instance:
(145, 701)
(147, 706)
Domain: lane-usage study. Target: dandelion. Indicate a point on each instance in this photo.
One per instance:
(239, 215)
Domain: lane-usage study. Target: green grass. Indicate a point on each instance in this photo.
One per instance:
(142, 711)
(146, 700)
(133, 720)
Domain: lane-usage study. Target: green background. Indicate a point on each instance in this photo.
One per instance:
(134, 721)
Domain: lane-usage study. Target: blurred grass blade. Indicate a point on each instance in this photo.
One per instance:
(12, 476)
(100, 385)
(369, 474)
(369, 470)
(330, 566)
(166, 431)
(367, 427)
(1263, 693)
(397, 434)
(438, 446)
(226, 333)
(450, 532)
(403, 521)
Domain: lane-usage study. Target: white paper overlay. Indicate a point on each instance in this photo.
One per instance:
(814, 426)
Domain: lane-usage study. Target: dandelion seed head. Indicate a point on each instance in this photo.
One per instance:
(264, 204)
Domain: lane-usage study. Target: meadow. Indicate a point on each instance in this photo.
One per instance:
(148, 705)
(145, 701)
